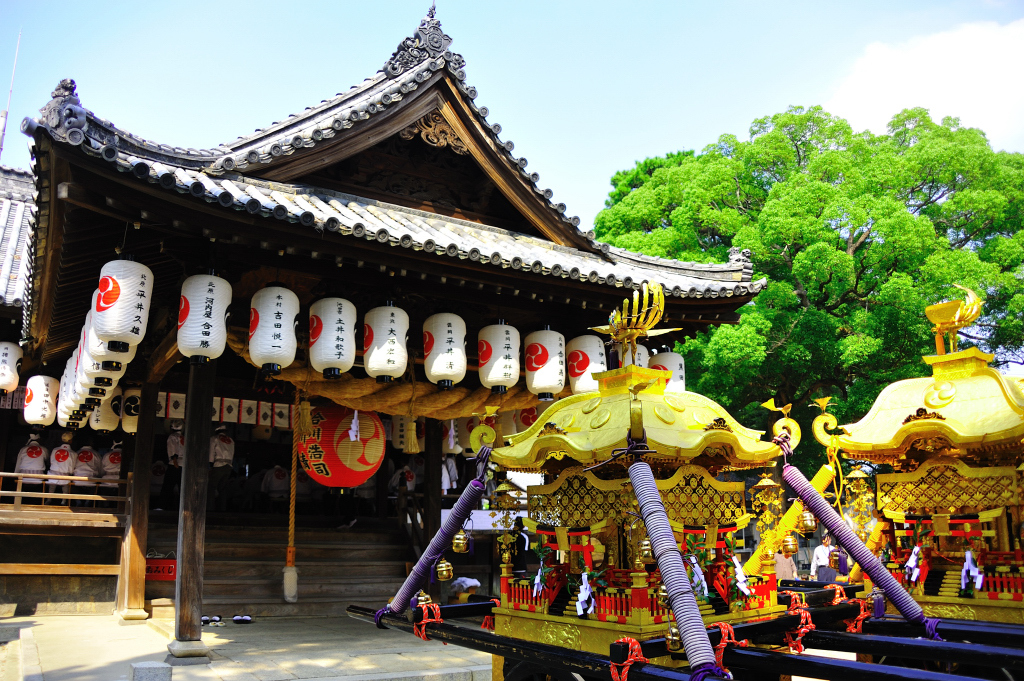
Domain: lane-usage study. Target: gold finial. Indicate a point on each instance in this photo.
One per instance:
(951, 316)
(823, 403)
(770, 404)
(631, 323)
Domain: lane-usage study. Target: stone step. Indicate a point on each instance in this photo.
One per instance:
(271, 569)
(352, 552)
(355, 588)
(163, 608)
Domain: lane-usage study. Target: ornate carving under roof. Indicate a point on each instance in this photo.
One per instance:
(433, 130)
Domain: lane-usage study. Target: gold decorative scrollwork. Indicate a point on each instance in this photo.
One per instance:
(435, 131)
(923, 414)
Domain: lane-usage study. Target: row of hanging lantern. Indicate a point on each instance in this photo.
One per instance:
(332, 327)
(87, 392)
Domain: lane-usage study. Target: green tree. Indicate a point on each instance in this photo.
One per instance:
(856, 234)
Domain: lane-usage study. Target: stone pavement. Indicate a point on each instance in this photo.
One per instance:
(99, 648)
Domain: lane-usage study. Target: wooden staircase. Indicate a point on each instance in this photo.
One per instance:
(242, 574)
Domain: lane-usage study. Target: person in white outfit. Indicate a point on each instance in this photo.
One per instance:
(33, 459)
(449, 474)
(88, 465)
(820, 557)
(111, 469)
(276, 485)
(172, 476)
(63, 460)
(222, 454)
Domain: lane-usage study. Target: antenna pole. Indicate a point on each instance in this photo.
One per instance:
(3, 114)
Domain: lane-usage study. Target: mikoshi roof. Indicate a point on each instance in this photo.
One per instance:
(965, 408)
(17, 213)
(680, 427)
(259, 184)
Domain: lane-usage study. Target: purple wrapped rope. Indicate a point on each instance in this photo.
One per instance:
(673, 572)
(824, 512)
(467, 501)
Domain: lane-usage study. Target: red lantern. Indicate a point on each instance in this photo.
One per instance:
(332, 457)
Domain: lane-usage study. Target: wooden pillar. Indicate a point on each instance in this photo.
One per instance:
(432, 479)
(131, 585)
(195, 473)
(382, 487)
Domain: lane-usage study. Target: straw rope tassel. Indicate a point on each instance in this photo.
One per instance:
(302, 426)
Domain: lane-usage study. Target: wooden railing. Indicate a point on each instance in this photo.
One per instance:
(19, 493)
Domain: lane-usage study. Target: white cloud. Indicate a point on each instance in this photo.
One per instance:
(973, 71)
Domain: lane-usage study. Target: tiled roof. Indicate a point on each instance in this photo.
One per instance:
(408, 69)
(17, 215)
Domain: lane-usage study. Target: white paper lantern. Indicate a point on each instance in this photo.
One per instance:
(120, 312)
(498, 356)
(10, 364)
(526, 418)
(272, 319)
(444, 349)
(202, 317)
(131, 403)
(545, 363)
(385, 331)
(643, 356)
(103, 373)
(41, 400)
(584, 358)
(671, 361)
(464, 428)
(332, 336)
(105, 417)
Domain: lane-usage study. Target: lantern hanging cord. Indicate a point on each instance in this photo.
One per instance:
(124, 239)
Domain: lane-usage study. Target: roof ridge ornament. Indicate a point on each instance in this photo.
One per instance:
(429, 42)
(63, 116)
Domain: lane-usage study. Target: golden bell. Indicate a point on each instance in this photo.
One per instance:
(506, 557)
(833, 560)
(808, 523)
(460, 542)
(663, 596)
(445, 571)
(790, 545)
(645, 551)
(673, 639)
(423, 598)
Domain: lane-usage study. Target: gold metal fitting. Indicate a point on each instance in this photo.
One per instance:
(460, 542)
(663, 596)
(645, 551)
(808, 523)
(673, 639)
(423, 598)
(790, 545)
(445, 571)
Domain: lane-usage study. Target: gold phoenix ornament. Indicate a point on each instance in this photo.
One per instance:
(950, 317)
(767, 501)
(631, 323)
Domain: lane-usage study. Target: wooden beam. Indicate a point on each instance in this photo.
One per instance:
(188, 587)
(132, 586)
(78, 569)
(77, 195)
(164, 357)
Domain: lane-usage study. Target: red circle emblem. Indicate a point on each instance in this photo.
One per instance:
(528, 416)
(332, 458)
(115, 457)
(225, 439)
(110, 291)
(428, 343)
(578, 363)
(658, 367)
(254, 321)
(279, 474)
(61, 455)
(316, 327)
(484, 350)
(367, 337)
(34, 451)
(28, 395)
(536, 356)
(84, 457)
(182, 311)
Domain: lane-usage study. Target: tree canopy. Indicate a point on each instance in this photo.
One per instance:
(856, 234)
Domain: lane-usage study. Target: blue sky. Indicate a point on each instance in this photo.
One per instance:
(582, 88)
